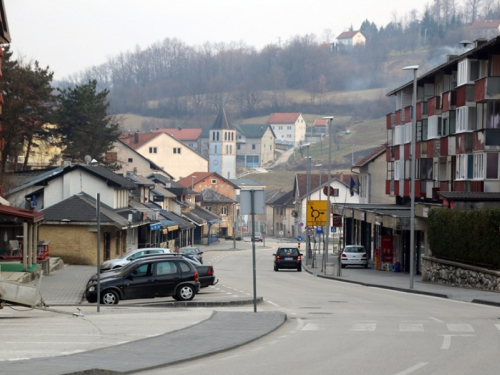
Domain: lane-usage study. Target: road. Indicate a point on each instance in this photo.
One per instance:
(341, 328)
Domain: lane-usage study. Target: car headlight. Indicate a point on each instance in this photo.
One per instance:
(92, 288)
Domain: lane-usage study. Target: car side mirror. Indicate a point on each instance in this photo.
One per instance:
(130, 277)
(201, 252)
(274, 254)
(300, 254)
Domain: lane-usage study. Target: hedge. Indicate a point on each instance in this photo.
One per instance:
(467, 236)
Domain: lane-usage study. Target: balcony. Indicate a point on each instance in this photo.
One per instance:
(397, 118)
(443, 146)
(487, 88)
(464, 143)
(434, 106)
(449, 101)
(465, 95)
(486, 139)
(407, 115)
(389, 120)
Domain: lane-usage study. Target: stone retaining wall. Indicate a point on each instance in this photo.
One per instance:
(457, 274)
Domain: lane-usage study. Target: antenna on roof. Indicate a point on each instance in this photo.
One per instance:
(465, 43)
(87, 159)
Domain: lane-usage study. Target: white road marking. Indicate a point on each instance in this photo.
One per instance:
(272, 303)
(310, 327)
(358, 327)
(230, 357)
(446, 342)
(436, 319)
(411, 327)
(256, 349)
(300, 324)
(413, 368)
(498, 326)
(460, 328)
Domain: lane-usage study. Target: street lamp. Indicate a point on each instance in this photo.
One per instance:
(330, 119)
(319, 171)
(412, 172)
(308, 192)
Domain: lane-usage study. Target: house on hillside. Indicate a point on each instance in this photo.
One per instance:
(188, 136)
(372, 178)
(485, 28)
(222, 206)
(289, 128)
(167, 152)
(130, 160)
(320, 127)
(349, 39)
(254, 145)
(199, 181)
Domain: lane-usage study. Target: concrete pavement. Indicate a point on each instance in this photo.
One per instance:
(140, 335)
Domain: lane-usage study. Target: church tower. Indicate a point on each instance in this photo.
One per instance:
(222, 147)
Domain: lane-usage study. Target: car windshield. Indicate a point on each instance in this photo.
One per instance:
(257, 233)
(127, 267)
(188, 251)
(290, 251)
(354, 250)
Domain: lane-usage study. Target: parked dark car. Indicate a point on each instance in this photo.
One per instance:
(150, 277)
(288, 257)
(194, 251)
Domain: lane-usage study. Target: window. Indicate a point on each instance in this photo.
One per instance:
(465, 167)
(166, 268)
(223, 210)
(280, 128)
(396, 169)
(214, 181)
(253, 146)
(478, 166)
(465, 117)
(289, 136)
(153, 150)
(130, 160)
(492, 166)
(177, 150)
(208, 208)
(398, 135)
(288, 128)
(390, 170)
(434, 127)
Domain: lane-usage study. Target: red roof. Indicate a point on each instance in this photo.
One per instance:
(485, 24)
(378, 151)
(348, 34)
(301, 181)
(136, 140)
(182, 134)
(283, 118)
(320, 122)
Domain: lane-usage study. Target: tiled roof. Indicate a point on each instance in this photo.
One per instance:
(285, 200)
(372, 156)
(320, 122)
(136, 140)
(81, 208)
(348, 34)
(162, 191)
(37, 180)
(211, 196)
(271, 196)
(283, 118)
(140, 180)
(301, 181)
(222, 122)
(485, 24)
(201, 216)
(253, 130)
(182, 134)
(183, 223)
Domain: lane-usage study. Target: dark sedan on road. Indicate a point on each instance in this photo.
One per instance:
(288, 257)
(193, 251)
(158, 276)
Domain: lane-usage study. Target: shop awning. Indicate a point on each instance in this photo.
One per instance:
(155, 226)
(169, 224)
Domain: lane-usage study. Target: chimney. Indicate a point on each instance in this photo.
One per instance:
(451, 57)
(479, 42)
(136, 137)
(179, 127)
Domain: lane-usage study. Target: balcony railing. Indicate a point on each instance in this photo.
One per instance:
(487, 88)
(465, 95)
(449, 100)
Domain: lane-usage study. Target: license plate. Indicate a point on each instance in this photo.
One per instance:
(288, 258)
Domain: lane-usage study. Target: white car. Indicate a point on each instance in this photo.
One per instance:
(131, 255)
(354, 255)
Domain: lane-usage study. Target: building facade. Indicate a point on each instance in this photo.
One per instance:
(222, 147)
(289, 128)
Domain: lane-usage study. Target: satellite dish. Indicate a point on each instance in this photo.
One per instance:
(87, 159)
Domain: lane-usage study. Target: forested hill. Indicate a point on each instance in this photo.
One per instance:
(173, 80)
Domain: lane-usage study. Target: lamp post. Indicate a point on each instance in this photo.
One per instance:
(308, 192)
(412, 172)
(328, 213)
(319, 171)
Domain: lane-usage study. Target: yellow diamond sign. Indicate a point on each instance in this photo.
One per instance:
(316, 213)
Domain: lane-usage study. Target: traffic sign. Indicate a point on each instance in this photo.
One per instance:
(336, 220)
(299, 238)
(316, 213)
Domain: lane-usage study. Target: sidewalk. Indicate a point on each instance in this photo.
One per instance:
(401, 282)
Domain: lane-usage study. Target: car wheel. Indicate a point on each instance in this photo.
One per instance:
(343, 265)
(185, 293)
(109, 297)
(299, 268)
(366, 265)
(276, 268)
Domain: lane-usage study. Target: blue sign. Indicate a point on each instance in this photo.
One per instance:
(299, 238)
(333, 229)
(319, 230)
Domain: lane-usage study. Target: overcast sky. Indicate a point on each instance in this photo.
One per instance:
(71, 35)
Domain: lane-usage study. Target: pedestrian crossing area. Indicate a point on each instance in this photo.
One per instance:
(372, 326)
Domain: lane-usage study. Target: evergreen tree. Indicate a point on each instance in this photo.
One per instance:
(84, 125)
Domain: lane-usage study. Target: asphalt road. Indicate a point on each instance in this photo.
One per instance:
(341, 328)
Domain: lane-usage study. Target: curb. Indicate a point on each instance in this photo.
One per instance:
(431, 294)
(199, 303)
